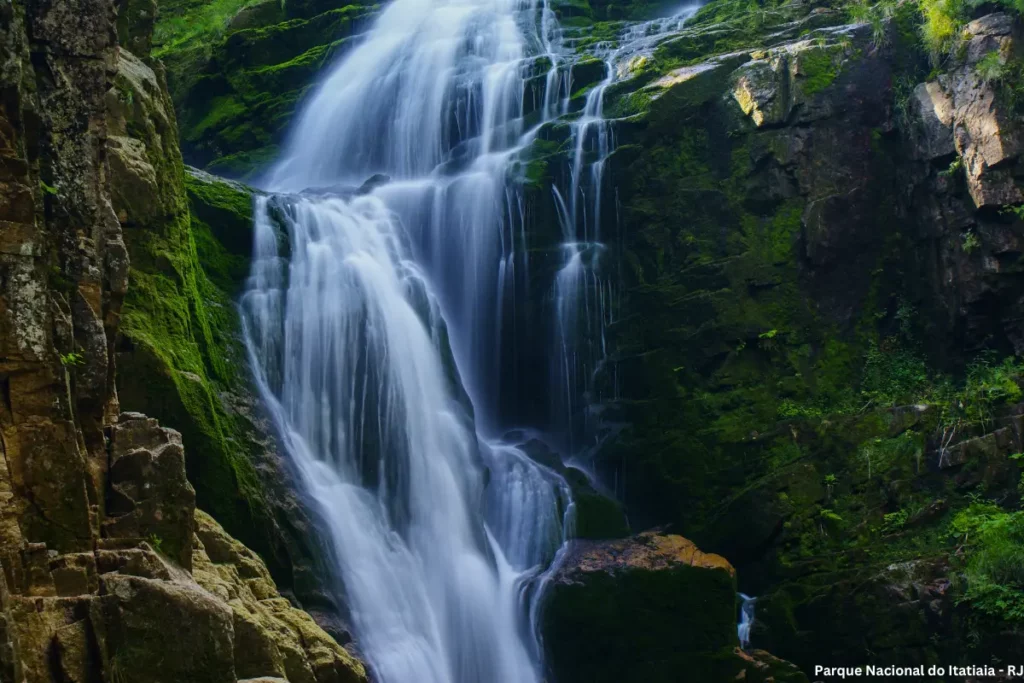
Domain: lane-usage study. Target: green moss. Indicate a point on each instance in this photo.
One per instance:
(184, 351)
(186, 22)
(819, 69)
(236, 91)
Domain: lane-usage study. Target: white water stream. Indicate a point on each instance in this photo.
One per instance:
(374, 320)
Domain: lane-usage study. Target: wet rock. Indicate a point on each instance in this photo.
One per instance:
(373, 182)
(760, 93)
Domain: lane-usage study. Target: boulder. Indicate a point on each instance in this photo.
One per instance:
(271, 636)
(652, 607)
(152, 631)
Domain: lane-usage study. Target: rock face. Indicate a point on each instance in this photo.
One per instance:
(815, 231)
(99, 537)
(651, 607)
(166, 594)
(180, 353)
(149, 496)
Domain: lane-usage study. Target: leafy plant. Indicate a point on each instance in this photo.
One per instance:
(894, 521)
(969, 241)
(893, 375)
(72, 359)
(767, 340)
(991, 68)
(954, 167)
(1017, 211)
(992, 573)
(902, 90)
(877, 15)
(828, 520)
(941, 25)
(830, 484)
(156, 542)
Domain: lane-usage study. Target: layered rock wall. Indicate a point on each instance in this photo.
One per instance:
(108, 571)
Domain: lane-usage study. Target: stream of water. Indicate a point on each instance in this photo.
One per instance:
(374, 321)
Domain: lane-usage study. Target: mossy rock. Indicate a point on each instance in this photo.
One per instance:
(647, 608)
(236, 88)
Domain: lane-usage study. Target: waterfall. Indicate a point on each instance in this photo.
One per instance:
(583, 291)
(747, 606)
(388, 258)
(373, 316)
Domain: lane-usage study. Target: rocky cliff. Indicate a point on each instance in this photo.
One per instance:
(109, 571)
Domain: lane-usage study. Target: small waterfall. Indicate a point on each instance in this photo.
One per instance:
(583, 291)
(747, 605)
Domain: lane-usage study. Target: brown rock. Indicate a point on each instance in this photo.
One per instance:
(649, 550)
(150, 496)
(156, 631)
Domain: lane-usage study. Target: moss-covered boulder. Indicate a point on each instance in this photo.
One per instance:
(651, 607)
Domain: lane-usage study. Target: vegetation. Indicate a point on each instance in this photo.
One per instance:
(186, 22)
(72, 359)
(992, 566)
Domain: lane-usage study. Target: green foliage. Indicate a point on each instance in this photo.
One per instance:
(72, 359)
(195, 22)
(992, 568)
(988, 385)
(881, 454)
(1016, 211)
(876, 14)
(991, 68)
(955, 167)
(902, 89)
(156, 542)
(894, 374)
(894, 521)
(969, 241)
(941, 24)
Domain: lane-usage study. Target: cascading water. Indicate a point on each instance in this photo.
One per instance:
(367, 313)
(374, 320)
(583, 293)
(746, 622)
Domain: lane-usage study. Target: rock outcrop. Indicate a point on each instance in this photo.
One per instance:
(180, 352)
(815, 230)
(164, 595)
(651, 607)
